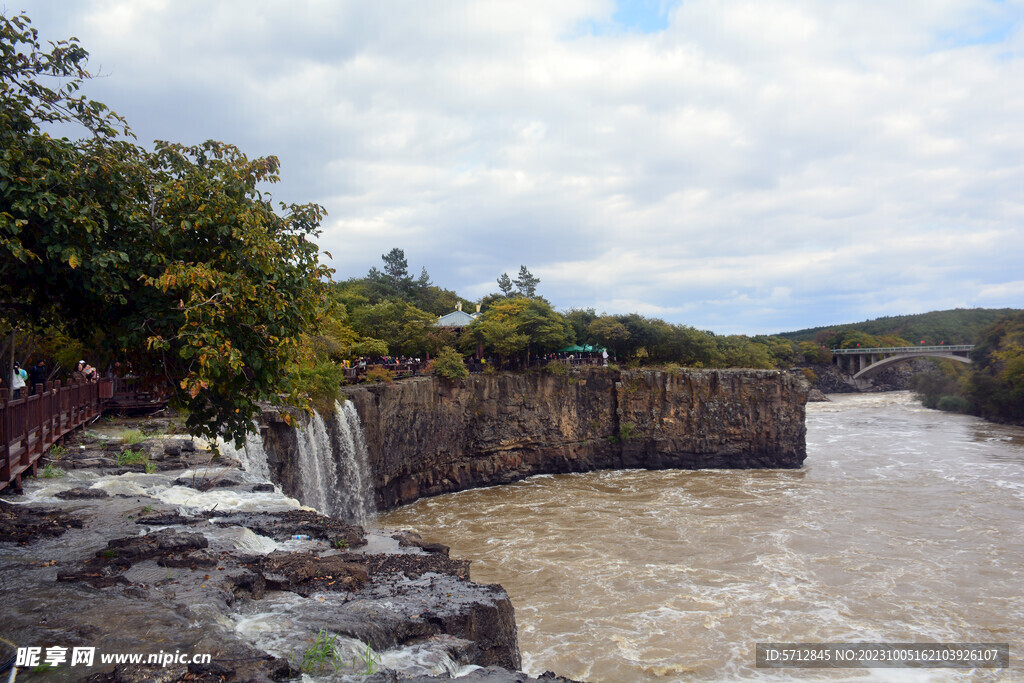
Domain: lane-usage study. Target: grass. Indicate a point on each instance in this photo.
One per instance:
(57, 452)
(340, 543)
(370, 661)
(132, 436)
(133, 457)
(320, 653)
(51, 471)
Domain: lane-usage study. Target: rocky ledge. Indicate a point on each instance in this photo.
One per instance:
(109, 563)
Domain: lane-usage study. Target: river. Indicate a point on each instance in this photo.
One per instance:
(904, 525)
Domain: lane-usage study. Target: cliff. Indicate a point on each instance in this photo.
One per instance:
(428, 436)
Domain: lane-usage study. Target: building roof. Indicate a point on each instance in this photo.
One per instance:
(455, 319)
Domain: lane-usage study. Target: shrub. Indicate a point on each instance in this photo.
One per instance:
(449, 364)
(953, 404)
(320, 383)
(379, 373)
(51, 471)
(132, 457)
(810, 376)
(132, 436)
(673, 369)
(556, 368)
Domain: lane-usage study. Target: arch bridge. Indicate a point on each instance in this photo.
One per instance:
(863, 363)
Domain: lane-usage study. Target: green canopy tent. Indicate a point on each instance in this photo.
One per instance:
(581, 349)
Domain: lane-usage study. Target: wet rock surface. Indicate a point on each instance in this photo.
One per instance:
(123, 571)
(22, 524)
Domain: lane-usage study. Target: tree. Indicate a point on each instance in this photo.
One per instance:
(608, 332)
(177, 255)
(521, 324)
(526, 283)
(505, 284)
(395, 266)
(449, 364)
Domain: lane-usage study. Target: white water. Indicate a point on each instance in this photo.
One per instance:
(334, 469)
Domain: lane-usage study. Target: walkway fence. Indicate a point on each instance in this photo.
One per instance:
(31, 424)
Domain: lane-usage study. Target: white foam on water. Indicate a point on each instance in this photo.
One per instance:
(225, 500)
(252, 456)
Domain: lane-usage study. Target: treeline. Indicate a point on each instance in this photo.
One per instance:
(956, 326)
(992, 386)
(390, 313)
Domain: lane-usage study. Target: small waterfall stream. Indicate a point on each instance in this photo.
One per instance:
(334, 468)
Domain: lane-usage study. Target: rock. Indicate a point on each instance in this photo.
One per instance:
(282, 526)
(195, 559)
(816, 396)
(426, 437)
(305, 573)
(166, 541)
(411, 539)
(166, 519)
(82, 493)
(246, 582)
(23, 524)
(172, 448)
(263, 488)
(207, 483)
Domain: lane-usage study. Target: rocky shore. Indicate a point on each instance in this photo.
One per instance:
(182, 552)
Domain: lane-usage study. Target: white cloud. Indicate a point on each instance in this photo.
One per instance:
(755, 166)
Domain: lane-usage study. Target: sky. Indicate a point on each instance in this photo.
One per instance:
(741, 166)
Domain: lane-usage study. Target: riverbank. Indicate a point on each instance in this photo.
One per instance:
(175, 550)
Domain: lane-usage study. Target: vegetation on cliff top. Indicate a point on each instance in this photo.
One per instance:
(993, 386)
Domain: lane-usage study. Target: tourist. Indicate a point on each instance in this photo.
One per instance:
(18, 377)
(91, 373)
(79, 373)
(38, 375)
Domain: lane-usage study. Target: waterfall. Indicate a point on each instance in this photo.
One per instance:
(252, 457)
(318, 472)
(334, 469)
(358, 498)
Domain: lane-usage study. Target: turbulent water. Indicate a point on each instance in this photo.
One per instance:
(905, 524)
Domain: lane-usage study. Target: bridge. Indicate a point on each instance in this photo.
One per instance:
(863, 363)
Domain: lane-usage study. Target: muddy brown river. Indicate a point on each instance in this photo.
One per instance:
(905, 525)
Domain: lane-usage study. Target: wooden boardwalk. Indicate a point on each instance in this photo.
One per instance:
(31, 424)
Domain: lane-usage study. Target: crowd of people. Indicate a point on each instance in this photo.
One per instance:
(22, 383)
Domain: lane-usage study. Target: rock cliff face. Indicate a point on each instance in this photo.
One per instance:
(428, 436)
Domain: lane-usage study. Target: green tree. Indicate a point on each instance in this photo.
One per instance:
(608, 332)
(449, 364)
(505, 284)
(526, 283)
(522, 324)
(403, 326)
(177, 255)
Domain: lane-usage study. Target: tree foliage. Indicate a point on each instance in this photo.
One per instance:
(526, 283)
(176, 254)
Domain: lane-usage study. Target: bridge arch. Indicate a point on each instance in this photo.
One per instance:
(879, 365)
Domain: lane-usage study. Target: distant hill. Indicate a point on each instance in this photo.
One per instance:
(957, 326)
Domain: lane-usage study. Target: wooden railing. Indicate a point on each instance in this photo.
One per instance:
(31, 424)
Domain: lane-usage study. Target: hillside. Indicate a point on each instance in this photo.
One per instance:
(956, 326)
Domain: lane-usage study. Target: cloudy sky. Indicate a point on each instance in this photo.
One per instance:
(736, 165)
